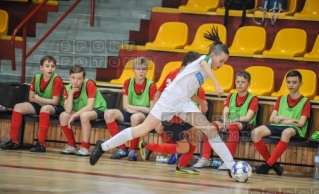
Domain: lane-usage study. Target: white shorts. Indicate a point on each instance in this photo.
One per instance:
(168, 105)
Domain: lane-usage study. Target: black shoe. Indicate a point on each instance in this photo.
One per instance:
(262, 169)
(229, 173)
(96, 153)
(10, 145)
(278, 169)
(38, 148)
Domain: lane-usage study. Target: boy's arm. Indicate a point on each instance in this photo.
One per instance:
(55, 100)
(206, 69)
(126, 106)
(68, 103)
(57, 90)
(201, 103)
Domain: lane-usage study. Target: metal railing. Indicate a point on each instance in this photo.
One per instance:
(23, 25)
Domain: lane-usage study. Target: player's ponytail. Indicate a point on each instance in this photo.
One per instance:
(217, 47)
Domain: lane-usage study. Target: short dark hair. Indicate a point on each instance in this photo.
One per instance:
(189, 57)
(217, 47)
(49, 58)
(244, 74)
(77, 69)
(139, 61)
(294, 73)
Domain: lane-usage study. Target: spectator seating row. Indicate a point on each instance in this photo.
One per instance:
(50, 2)
(4, 23)
(310, 10)
(289, 43)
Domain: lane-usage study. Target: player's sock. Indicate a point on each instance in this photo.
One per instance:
(166, 138)
(114, 129)
(44, 122)
(118, 139)
(162, 148)
(233, 138)
(186, 158)
(134, 143)
(262, 149)
(16, 121)
(221, 149)
(69, 135)
(280, 148)
(207, 149)
(85, 145)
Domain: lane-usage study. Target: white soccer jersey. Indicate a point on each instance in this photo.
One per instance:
(189, 80)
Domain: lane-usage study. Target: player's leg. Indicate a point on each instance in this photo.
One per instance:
(280, 148)
(204, 161)
(68, 133)
(110, 117)
(198, 120)
(136, 119)
(44, 123)
(18, 111)
(127, 134)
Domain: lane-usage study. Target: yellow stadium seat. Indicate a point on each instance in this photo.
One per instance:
(291, 10)
(237, 13)
(225, 78)
(4, 22)
(316, 98)
(289, 43)
(310, 11)
(308, 88)
(168, 68)
(247, 46)
(262, 81)
(314, 54)
(170, 36)
(128, 72)
(200, 44)
(199, 6)
(50, 2)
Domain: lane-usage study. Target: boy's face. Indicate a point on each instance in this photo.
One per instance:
(140, 71)
(47, 68)
(242, 84)
(293, 84)
(76, 79)
(218, 60)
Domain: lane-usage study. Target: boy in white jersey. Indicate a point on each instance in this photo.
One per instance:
(176, 99)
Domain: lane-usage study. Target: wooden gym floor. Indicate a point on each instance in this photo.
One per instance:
(36, 173)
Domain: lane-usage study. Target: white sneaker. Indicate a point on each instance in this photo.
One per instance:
(68, 150)
(223, 167)
(82, 152)
(202, 163)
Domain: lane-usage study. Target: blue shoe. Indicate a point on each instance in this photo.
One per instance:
(120, 154)
(172, 159)
(132, 156)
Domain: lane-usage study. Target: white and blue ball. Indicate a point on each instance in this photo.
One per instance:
(241, 171)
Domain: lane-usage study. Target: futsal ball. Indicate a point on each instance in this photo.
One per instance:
(241, 171)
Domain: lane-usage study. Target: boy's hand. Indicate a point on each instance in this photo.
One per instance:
(36, 97)
(73, 90)
(219, 91)
(204, 106)
(278, 119)
(70, 122)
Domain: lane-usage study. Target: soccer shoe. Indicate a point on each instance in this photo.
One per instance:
(82, 152)
(278, 169)
(223, 167)
(10, 145)
(97, 152)
(120, 154)
(186, 170)
(68, 150)
(38, 148)
(144, 152)
(172, 159)
(132, 156)
(262, 169)
(202, 163)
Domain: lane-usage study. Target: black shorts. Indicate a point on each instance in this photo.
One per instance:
(277, 130)
(176, 130)
(127, 115)
(37, 107)
(246, 125)
(100, 114)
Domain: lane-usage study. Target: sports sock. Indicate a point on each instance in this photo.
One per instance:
(233, 138)
(118, 139)
(207, 149)
(114, 129)
(134, 143)
(161, 148)
(85, 145)
(69, 135)
(15, 125)
(262, 149)
(186, 158)
(44, 122)
(166, 138)
(280, 148)
(221, 149)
